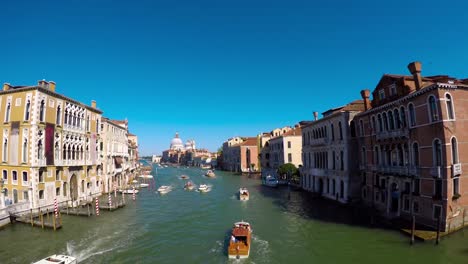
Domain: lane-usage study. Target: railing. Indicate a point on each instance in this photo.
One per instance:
(392, 134)
(436, 172)
(456, 169)
(398, 170)
(319, 141)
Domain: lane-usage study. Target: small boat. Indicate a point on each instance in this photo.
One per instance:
(210, 173)
(270, 181)
(128, 191)
(144, 185)
(164, 189)
(57, 259)
(203, 188)
(189, 186)
(205, 166)
(184, 177)
(243, 194)
(239, 244)
(146, 176)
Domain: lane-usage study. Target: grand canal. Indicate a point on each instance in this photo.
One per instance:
(191, 227)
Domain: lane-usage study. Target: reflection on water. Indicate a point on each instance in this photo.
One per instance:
(182, 226)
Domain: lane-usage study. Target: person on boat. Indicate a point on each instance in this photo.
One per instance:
(233, 238)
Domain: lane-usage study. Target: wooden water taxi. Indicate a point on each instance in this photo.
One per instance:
(203, 188)
(57, 259)
(244, 194)
(239, 243)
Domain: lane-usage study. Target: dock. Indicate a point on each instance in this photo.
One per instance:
(43, 219)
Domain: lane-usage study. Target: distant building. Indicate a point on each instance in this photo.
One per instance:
(412, 152)
(240, 154)
(156, 159)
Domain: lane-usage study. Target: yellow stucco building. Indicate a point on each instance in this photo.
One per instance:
(50, 146)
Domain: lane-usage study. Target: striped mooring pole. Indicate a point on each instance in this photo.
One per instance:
(55, 208)
(110, 200)
(97, 206)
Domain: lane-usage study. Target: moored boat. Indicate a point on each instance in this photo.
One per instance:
(203, 188)
(164, 189)
(239, 244)
(270, 181)
(128, 191)
(243, 194)
(57, 259)
(210, 173)
(146, 176)
(144, 185)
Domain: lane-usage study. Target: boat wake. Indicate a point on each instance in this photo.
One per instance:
(261, 247)
(94, 245)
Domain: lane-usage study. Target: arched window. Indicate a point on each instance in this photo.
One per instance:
(352, 127)
(379, 119)
(64, 156)
(390, 120)
(434, 115)
(397, 119)
(58, 118)
(374, 128)
(66, 117)
(385, 121)
(437, 152)
(454, 151)
(341, 130)
(25, 151)
(402, 116)
(376, 156)
(449, 102)
(39, 149)
(27, 110)
(412, 115)
(7, 113)
(42, 111)
(5, 149)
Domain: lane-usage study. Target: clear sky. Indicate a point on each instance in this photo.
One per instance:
(216, 69)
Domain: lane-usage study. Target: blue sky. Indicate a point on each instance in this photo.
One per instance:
(216, 69)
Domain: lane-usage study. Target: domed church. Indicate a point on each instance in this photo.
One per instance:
(177, 150)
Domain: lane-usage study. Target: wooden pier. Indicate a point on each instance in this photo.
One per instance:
(43, 219)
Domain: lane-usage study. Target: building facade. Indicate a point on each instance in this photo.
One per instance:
(240, 154)
(50, 146)
(413, 150)
(328, 154)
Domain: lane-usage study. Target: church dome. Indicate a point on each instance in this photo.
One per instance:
(176, 143)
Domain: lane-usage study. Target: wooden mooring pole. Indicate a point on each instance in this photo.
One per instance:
(53, 221)
(30, 213)
(88, 211)
(413, 226)
(47, 211)
(438, 231)
(60, 218)
(42, 219)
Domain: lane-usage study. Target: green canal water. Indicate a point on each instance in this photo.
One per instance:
(191, 227)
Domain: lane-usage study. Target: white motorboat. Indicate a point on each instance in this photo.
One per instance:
(128, 191)
(210, 173)
(146, 176)
(243, 194)
(189, 186)
(144, 185)
(270, 181)
(203, 188)
(164, 189)
(57, 259)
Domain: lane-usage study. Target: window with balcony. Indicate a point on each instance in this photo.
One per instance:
(391, 120)
(58, 117)
(437, 153)
(454, 151)
(412, 115)
(42, 111)
(396, 115)
(433, 113)
(449, 103)
(402, 116)
(340, 128)
(27, 110)
(385, 121)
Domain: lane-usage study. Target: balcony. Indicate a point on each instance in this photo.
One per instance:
(398, 170)
(395, 134)
(319, 172)
(436, 172)
(319, 141)
(456, 169)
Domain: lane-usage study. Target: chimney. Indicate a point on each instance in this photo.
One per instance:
(93, 104)
(42, 83)
(52, 86)
(415, 69)
(6, 86)
(365, 94)
(315, 116)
